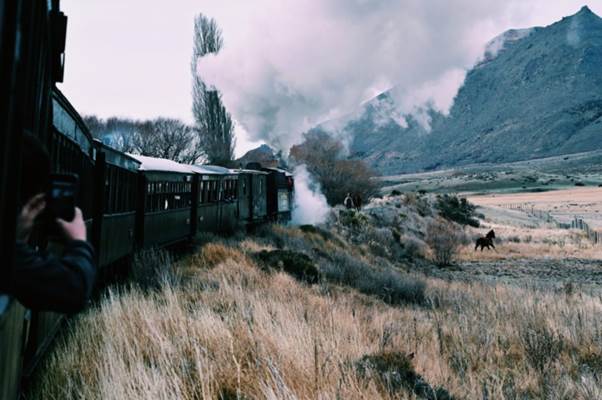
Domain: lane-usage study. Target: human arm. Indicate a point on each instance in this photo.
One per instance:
(49, 283)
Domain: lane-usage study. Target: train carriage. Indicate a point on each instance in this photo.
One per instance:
(216, 199)
(252, 196)
(280, 194)
(164, 202)
(71, 150)
(32, 41)
(129, 202)
(115, 219)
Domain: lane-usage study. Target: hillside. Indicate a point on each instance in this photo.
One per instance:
(543, 174)
(536, 93)
(352, 309)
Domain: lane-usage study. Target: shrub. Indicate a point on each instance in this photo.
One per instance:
(326, 235)
(394, 371)
(151, 268)
(541, 345)
(296, 264)
(352, 218)
(212, 254)
(457, 210)
(418, 202)
(444, 240)
(389, 285)
(281, 237)
(412, 248)
(327, 162)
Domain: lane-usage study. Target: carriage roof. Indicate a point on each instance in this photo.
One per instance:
(156, 164)
(280, 170)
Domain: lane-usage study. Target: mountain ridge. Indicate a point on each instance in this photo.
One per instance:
(538, 95)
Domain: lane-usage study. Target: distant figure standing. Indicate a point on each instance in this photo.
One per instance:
(348, 202)
(357, 201)
(486, 241)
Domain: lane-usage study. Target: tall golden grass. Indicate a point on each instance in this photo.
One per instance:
(226, 329)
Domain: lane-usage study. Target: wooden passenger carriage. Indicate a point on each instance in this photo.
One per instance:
(115, 218)
(164, 202)
(129, 202)
(216, 199)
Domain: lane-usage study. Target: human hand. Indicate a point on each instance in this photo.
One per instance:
(28, 214)
(76, 229)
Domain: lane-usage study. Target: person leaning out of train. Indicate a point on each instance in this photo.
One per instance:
(42, 281)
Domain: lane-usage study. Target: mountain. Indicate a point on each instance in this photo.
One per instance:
(536, 92)
(264, 155)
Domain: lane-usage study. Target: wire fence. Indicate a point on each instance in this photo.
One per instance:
(577, 222)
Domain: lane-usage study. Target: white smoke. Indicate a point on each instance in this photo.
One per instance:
(285, 65)
(286, 68)
(310, 206)
(497, 44)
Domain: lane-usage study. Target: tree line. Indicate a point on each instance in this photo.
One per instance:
(209, 139)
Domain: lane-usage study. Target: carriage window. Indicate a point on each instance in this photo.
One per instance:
(107, 192)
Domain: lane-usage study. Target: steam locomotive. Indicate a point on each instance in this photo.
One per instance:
(130, 202)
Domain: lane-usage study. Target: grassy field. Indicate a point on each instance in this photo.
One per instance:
(563, 205)
(533, 175)
(245, 318)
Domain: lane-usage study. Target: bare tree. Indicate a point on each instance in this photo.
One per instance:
(213, 123)
(325, 159)
(161, 137)
(167, 138)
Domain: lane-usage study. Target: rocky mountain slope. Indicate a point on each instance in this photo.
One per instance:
(535, 93)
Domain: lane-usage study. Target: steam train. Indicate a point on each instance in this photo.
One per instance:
(130, 202)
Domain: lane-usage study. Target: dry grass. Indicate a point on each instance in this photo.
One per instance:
(228, 330)
(563, 204)
(520, 237)
(221, 327)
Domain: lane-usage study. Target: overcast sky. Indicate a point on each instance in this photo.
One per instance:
(286, 65)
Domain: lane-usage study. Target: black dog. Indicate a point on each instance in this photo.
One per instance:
(486, 241)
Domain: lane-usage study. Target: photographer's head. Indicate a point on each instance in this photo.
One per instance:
(35, 168)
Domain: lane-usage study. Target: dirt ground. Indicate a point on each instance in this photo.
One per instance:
(580, 273)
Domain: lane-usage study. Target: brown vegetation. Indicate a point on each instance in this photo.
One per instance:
(223, 326)
(444, 240)
(336, 174)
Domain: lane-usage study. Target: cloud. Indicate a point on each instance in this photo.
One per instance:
(286, 68)
(286, 65)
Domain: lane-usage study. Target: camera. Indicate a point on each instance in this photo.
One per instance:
(61, 196)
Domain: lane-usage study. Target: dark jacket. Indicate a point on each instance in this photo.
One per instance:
(44, 282)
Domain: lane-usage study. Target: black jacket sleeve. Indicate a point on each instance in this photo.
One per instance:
(46, 283)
